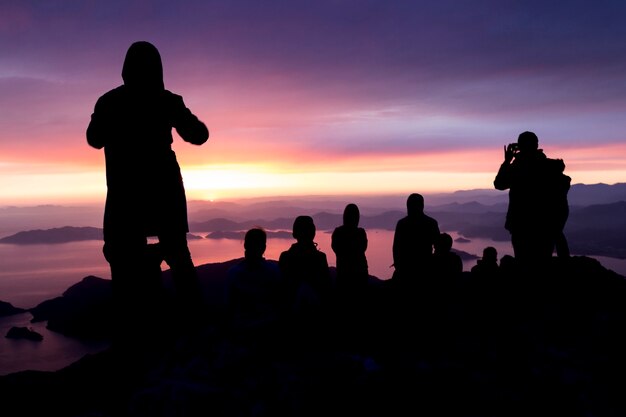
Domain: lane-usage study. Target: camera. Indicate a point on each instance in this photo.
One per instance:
(514, 146)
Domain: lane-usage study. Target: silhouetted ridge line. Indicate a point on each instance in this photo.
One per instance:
(520, 343)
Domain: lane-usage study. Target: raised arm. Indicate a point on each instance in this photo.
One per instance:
(188, 126)
(503, 178)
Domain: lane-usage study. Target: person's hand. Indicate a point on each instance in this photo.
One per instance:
(509, 152)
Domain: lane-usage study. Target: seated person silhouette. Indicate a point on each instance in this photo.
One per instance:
(145, 192)
(445, 262)
(413, 242)
(305, 270)
(255, 291)
(349, 242)
(487, 266)
(508, 265)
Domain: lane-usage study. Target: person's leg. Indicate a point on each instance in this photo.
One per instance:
(533, 248)
(525, 249)
(562, 247)
(186, 285)
(543, 246)
(125, 255)
(518, 241)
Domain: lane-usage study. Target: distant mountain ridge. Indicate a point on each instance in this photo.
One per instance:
(596, 226)
(56, 235)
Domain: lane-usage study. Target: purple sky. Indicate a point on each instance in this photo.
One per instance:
(320, 83)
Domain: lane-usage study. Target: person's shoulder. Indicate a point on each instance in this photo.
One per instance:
(173, 99)
(285, 255)
(172, 95)
(270, 265)
(431, 220)
(321, 257)
(316, 252)
(338, 230)
(238, 266)
(556, 164)
(112, 94)
(402, 221)
(235, 271)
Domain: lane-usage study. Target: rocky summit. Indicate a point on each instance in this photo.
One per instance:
(541, 342)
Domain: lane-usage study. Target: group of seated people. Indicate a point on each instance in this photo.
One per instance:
(259, 291)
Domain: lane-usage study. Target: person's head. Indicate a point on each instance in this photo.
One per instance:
(143, 69)
(415, 204)
(351, 215)
(507, 262)
(255, 243)
(490, 255)
(527, 142)
(303, 229)
(443, 243)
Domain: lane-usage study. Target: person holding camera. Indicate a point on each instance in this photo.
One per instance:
(538, 206)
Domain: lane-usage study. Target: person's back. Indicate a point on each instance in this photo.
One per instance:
(413, 240)
(255, 291)
(307, 278)
(145, 191)
(487, 267)
(304, 267)
(349, 242)
(133, 123)
(446, 264)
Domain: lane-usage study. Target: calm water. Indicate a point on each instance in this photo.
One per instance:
(34, 273)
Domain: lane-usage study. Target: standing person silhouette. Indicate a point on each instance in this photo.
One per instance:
(413, 241)
(538, 207)
(349, 242)
(145, 191)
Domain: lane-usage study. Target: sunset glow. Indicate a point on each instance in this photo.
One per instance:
(323, 98)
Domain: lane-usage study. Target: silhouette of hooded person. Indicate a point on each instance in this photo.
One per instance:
(349, 242)
(413, 241)
(145, 193)
(538, 206)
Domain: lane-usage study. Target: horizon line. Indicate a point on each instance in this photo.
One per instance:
(292, 197)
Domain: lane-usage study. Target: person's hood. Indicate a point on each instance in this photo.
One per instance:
(142, 67)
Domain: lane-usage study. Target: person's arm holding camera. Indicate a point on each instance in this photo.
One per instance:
(509, 152)
(503, 178)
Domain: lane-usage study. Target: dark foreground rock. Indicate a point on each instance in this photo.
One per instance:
(546, 343)
(83, 311)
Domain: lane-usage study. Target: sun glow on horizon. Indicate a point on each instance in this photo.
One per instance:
(242, 181)
(429, 172)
